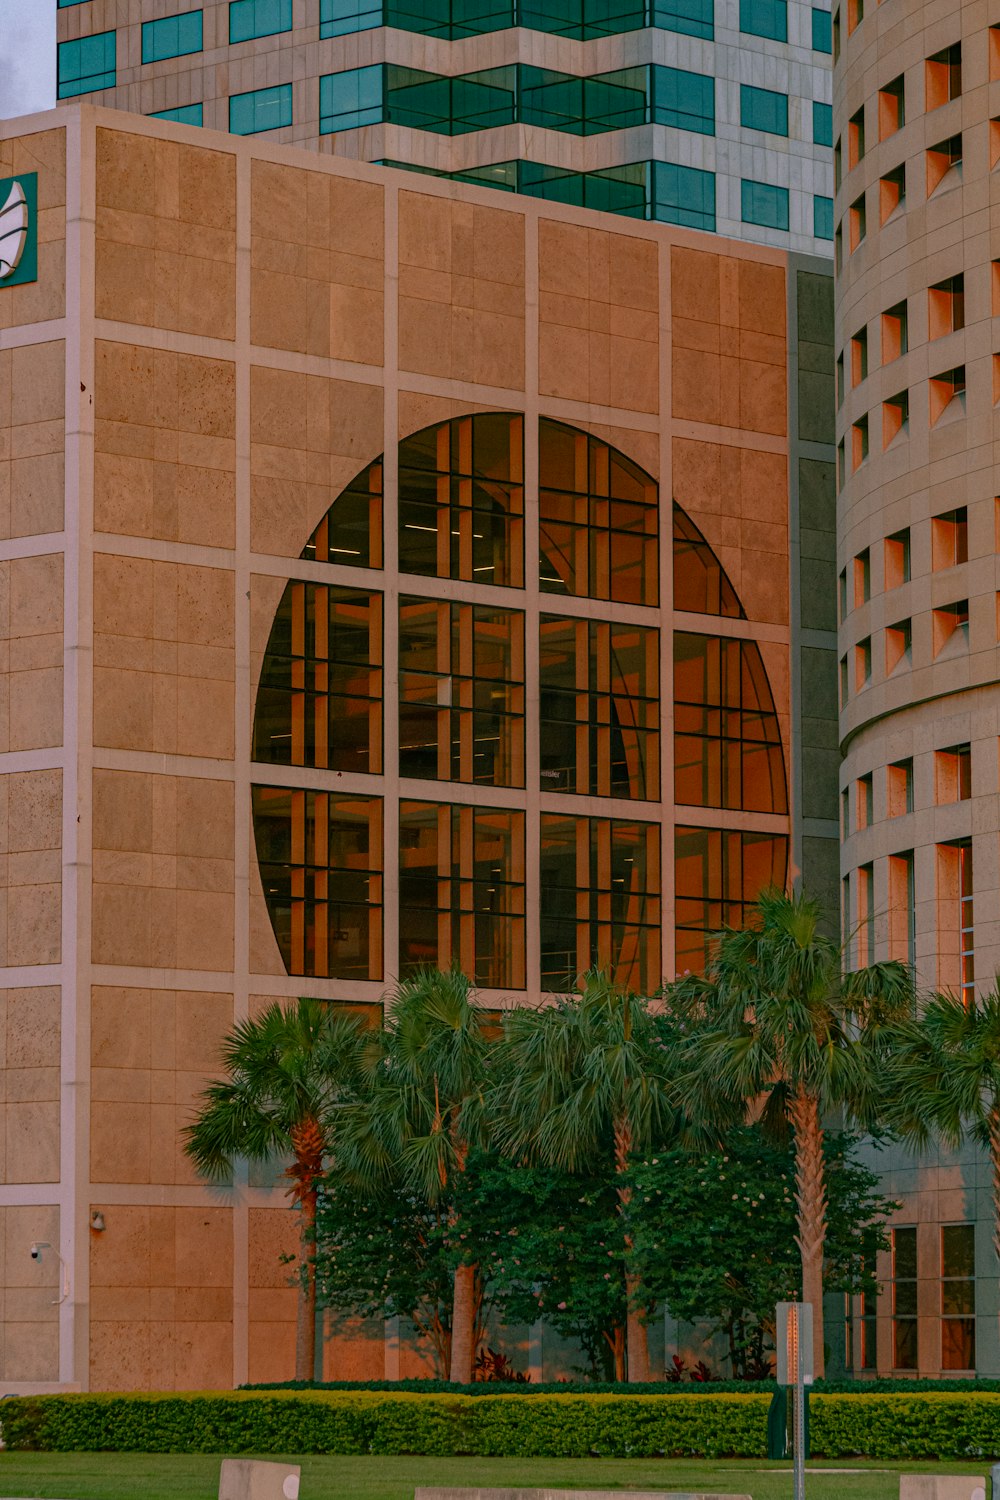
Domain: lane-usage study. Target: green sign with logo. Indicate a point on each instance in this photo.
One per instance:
(18, 229)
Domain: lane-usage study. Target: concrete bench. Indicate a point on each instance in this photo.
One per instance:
(942, 1487)
(247, 1479)
(436, 1492)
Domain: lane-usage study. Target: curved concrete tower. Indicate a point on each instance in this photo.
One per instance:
(917, 140)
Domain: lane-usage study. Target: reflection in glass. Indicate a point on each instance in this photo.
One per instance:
(599, 708)
(904, 1298)
(700, 582)
(958, 1297)
(461, 692)
(320, 861)
(727, 741)
(461, 891)
(598, 517)
(718, 874)
(351, 531)
(600, 882)
(319, 702)
(461, 500)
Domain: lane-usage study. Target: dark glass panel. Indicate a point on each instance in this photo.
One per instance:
(727, 742)
(700, 582)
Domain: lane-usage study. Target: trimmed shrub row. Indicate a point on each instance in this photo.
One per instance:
(611, 1388)
(934, 1424)
(319, 1422)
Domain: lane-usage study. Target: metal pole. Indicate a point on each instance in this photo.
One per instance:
(798, 1417)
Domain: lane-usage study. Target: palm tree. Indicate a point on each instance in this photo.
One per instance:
(943, 1078)
(585, 1076)
(287, 1070)
(422, 1110)
(779, 1029)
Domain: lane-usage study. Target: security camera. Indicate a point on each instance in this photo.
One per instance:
(38, 1247)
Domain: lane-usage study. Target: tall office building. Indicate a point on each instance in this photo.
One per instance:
(713, 114)
(917, 116)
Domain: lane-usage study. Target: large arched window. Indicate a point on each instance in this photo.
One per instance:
(527, 747)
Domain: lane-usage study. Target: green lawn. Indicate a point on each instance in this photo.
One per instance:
(140, 1476)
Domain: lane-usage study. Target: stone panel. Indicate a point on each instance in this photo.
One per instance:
(273, 1296)
(598, 332)
(38, 301)
(30, 867)
(31, 652)
(161, 1299)
(317, 264)
(30, 1022)
(166, 235)
(29, 1349)
(152, 1053)
(163, 657)
(32, 435)
(461, 291)
(163, 871)
(165, 446)
(309, 437)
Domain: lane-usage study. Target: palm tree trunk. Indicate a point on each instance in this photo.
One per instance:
(636, 1340)
(305, 1333)
(810, 1203)
(463, 1325)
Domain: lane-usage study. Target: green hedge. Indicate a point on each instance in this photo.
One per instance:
(317, 1422)
(870, 1387)
(925, 1424)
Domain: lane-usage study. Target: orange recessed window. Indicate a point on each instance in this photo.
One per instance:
(856, 138)
(840, 380)
(864, 801)
(941, 159)
(898, 640)
(946, 306)
(943, 76)
(895, 337)
(862, 578)
(897, 559)
(895, 416)
(994, 53)
(855, 14)
(953, 774)
(859, 357)
(842, 594)
(891, 108)
(899, 788)
(946, 389)
(950, 623)
(862, 663)
(843, 681)
(836, 36)
(994, 142)
(857, 222)
(859, 442)
(838, 164)
(841, 465)
(995, 288)
(891, 192)
(996, 378)
(950, 538)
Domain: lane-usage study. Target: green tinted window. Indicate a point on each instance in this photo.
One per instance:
(583, 106)
(261, 109)
(451, 19)
(87, 64)
(684, 100)
(765, 18)
(692, 17)
(762, 109)
(582, 19)
(339, 17)
(822, 124)
(823, 218)
(683, 195)
(764, 204)
(184, 114)
(349, 100)
(450, 106)
(174, 36)
(822, 31)
(250, 18)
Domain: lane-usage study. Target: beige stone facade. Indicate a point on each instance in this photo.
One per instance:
(224, 333)
(916, 96)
